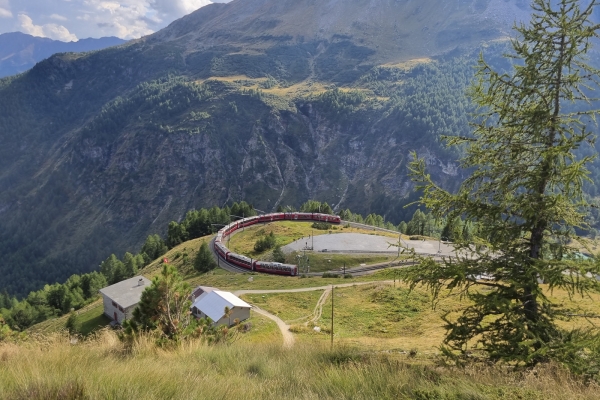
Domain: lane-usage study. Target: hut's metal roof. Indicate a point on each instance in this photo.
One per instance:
(128, 292)
(213, 304)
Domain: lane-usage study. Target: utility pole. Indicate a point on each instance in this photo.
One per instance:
(305, 262)
(332, 287)
(313, 240)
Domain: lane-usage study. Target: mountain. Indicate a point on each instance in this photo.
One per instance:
(269, 101)
(392, 30)
(19, 52)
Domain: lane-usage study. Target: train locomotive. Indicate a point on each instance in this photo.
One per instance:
(265, 266)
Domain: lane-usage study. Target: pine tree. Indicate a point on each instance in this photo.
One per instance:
(153, 248)
(113, 269)
(204, 260)
(164, 306)
(525, 193)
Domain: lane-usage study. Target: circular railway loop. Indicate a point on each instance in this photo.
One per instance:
(340, 243)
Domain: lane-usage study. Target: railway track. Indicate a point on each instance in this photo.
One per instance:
(222, 263)
(362, 270)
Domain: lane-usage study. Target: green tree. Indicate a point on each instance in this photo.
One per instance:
(113, 269)
(402, 227)
(164, 306)
(416, 226)
(91, 283)
(5, 331)
(132, 264)
(176, 234)
(204, 260)
(58, 298)
(278, 255)
(313, 206)
(265, 243)
(525, 191)
(23, 316)
(153, 248)
(73, 324)
(453, 230)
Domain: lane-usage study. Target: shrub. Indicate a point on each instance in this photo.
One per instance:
(278, 255)
(322, 226)
(73, 324)
(265, 243)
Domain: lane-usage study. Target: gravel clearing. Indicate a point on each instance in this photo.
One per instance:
(360, 242)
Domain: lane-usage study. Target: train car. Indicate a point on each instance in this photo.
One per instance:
(221, 250)
(248, 221)
(296, 216)
(332, 219)
(276, 268)
(271, 217)
(229, 229)
(240, 260)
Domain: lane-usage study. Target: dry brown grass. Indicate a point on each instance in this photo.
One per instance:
(52, 368)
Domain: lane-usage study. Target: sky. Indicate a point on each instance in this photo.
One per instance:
(71, 20)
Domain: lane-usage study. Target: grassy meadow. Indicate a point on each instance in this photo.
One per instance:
(386, 346)
(287, 232)
(102, 367)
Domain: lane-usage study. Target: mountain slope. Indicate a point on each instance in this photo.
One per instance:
(19, 52)
(272, 102)
(393, 30)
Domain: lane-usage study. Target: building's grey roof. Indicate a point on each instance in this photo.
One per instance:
(201, 291)
(128, 292)
(214, 303)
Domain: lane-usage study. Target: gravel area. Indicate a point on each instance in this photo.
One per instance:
(359, 242)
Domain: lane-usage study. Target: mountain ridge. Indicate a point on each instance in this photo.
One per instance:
(388, 24)
(20, 52)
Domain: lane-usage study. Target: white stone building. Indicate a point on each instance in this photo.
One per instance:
(122, 298)
(211, 303)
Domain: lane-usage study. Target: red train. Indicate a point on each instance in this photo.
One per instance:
(264, 266)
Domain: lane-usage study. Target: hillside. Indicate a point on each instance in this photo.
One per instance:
(386, 346)
(272, 102)
(108, 369)
(19, 52)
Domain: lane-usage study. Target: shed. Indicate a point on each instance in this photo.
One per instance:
(122, 298)
(212, 305)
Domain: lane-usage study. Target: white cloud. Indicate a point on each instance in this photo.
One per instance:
(52, 31)
(59, 32)
(177, 8)
(5, 9)
(4, 13)
(28, 27)
(58, 17)
(68, 19)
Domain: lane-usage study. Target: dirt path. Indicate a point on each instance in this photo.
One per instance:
(319, 307)
(288, 338)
